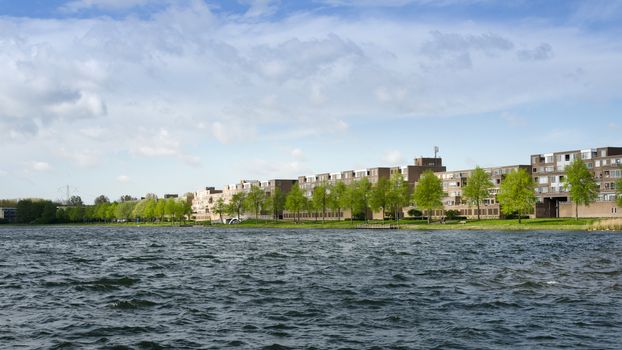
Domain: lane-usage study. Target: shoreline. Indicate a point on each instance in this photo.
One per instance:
(585, 225)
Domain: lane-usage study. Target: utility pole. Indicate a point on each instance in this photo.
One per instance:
(435, 152)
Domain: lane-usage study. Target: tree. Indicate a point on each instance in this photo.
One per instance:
(126, 198)
(516, 193)
(348, 199)
(275, 202)
(169, 208)
(124, 210)
(379, 196)
(295, 201)
(428, 193)
(361, 194)
(220, 208)
(255, 199)
(336, 197)
(75, 201)
(151, 196)
(477, 188)
(236, 204)
(160, 209)
(397, 197)
(320, 198)
(581, 185)
(101, 199)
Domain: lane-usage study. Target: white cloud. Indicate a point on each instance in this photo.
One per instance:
(3, 172)
(103, 88)
(613, 126)
(40, 166)
(123, 179)
(84, 158)
(393, 157)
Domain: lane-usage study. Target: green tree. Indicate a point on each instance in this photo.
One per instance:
(428, 193)
(320, 199)
(236, 204)
(275, 202)
(349, 199)
(220, 208)
(75, 201)
(76, 214)
(397, 197)
(124, 210)
(361, 195)
(149, 212)
(580, 183)
(516, 193)
(101, 199)
(295, 201)
(379, 197)
(477, 188)
(169, 208)
(336, 197)
(255, 199)
(160, 209)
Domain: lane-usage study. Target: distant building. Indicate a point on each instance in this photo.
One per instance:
(453, 186)
(205, 200)
(411, 174)
(8, 215)
(549, 173)
(171, 195)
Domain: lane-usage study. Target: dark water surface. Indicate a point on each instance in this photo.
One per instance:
(187, 288)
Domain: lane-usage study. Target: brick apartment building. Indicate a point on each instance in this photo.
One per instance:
(454, 183)
(548, 171)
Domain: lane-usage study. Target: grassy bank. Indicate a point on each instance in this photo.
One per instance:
(528, 224)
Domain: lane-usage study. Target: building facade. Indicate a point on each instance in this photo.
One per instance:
(8, 215)
(453, 186)
(549, 173)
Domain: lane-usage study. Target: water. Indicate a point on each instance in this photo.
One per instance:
(190, 288)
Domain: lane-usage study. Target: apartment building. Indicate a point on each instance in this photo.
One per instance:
(411, 174)
(205, 200)
(453, 186)
(548, 171)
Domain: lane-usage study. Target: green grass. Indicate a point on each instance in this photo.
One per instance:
(527, 224)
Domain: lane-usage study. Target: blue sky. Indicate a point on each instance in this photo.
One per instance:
(134, 96)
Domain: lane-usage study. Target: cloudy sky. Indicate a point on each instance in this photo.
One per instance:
(134, 96)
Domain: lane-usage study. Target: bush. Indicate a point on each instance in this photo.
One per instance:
(415, 213)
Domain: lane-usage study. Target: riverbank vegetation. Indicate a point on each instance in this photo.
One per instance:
(127, 209)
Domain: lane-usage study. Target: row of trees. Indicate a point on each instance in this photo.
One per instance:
(144, 210)
(387, 196)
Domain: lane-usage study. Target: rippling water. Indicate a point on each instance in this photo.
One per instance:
(187, 288)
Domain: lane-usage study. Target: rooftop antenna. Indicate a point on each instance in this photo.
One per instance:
(435, 151)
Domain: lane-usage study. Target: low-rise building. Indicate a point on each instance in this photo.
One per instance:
(549, 173)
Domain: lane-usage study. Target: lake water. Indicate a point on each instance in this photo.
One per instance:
(202, 288)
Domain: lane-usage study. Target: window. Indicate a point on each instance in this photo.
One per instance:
(544, 180)
(590, 165)
(597, 164)
(567, 157)
(549, 159)
(559, 158)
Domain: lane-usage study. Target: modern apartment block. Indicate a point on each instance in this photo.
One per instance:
(411, 174)
(455, 181)
(549, 173)
(205, 199)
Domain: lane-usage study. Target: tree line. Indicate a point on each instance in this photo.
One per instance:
(150, 209)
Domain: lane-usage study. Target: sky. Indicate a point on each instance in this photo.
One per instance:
(130, 97)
